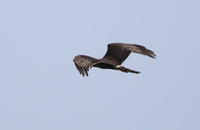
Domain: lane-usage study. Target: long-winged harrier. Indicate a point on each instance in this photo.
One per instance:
(114, 57)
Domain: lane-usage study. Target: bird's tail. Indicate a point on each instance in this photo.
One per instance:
(123, 69)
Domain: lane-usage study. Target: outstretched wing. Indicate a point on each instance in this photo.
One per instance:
(83, 63)
(120, 51)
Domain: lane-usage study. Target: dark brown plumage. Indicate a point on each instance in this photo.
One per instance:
(114, 57)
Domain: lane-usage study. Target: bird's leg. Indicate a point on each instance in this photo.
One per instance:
(123, 69)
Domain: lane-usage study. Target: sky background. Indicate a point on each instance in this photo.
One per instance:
(41, 89)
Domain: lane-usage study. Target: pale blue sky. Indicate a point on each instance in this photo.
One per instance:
(40, 88)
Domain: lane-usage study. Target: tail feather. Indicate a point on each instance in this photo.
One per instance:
(123, 69)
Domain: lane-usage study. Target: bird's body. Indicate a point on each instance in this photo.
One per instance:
(114, 57)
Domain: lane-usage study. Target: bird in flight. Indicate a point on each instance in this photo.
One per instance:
(116, 54)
